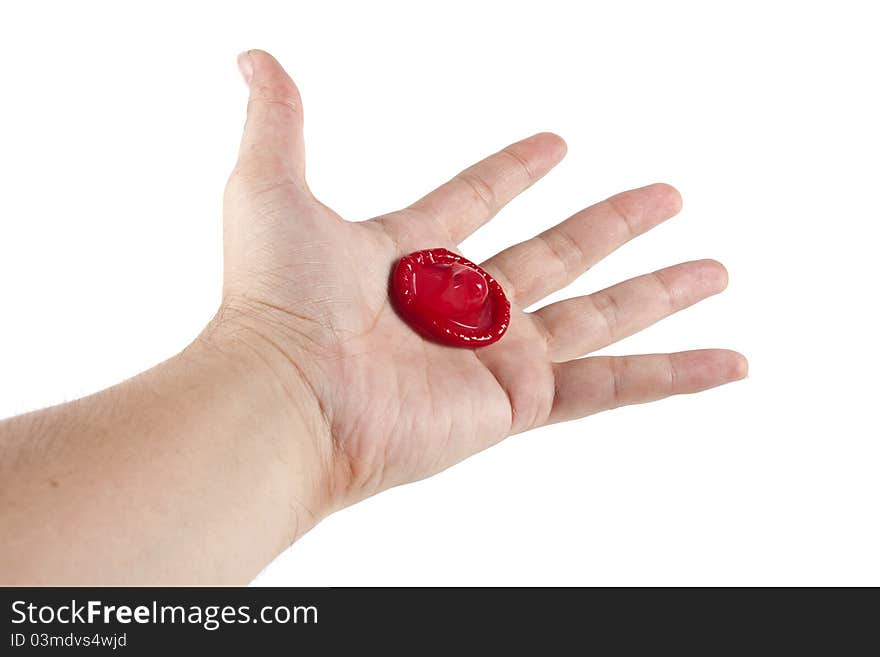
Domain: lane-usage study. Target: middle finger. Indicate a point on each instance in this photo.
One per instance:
(531, 270)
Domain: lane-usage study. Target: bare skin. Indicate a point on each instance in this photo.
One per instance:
(307, 392)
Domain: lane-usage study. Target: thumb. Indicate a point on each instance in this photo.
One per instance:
(272, 144)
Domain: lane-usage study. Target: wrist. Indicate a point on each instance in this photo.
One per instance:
(290, 429)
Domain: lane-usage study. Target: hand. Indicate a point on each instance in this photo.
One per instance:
(307, 292)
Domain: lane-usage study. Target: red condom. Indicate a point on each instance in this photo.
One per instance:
(449, 299)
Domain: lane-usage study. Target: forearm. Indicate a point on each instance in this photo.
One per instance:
(201, 469)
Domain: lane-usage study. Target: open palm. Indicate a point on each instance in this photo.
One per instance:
(397, 407)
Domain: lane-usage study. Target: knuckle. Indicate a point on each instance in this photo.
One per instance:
(615, 373)
(668, 291)
(629, 210)
(519, 163)
(671, 374)
(481, 189)
(609, 309)
(565, 250)
(279, 92)
(266, 103)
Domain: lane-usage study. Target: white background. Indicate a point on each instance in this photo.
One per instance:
(118, 127)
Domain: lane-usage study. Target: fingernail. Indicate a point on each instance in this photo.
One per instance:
(246, 66)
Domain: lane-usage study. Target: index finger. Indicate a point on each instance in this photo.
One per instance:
(475, 195)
